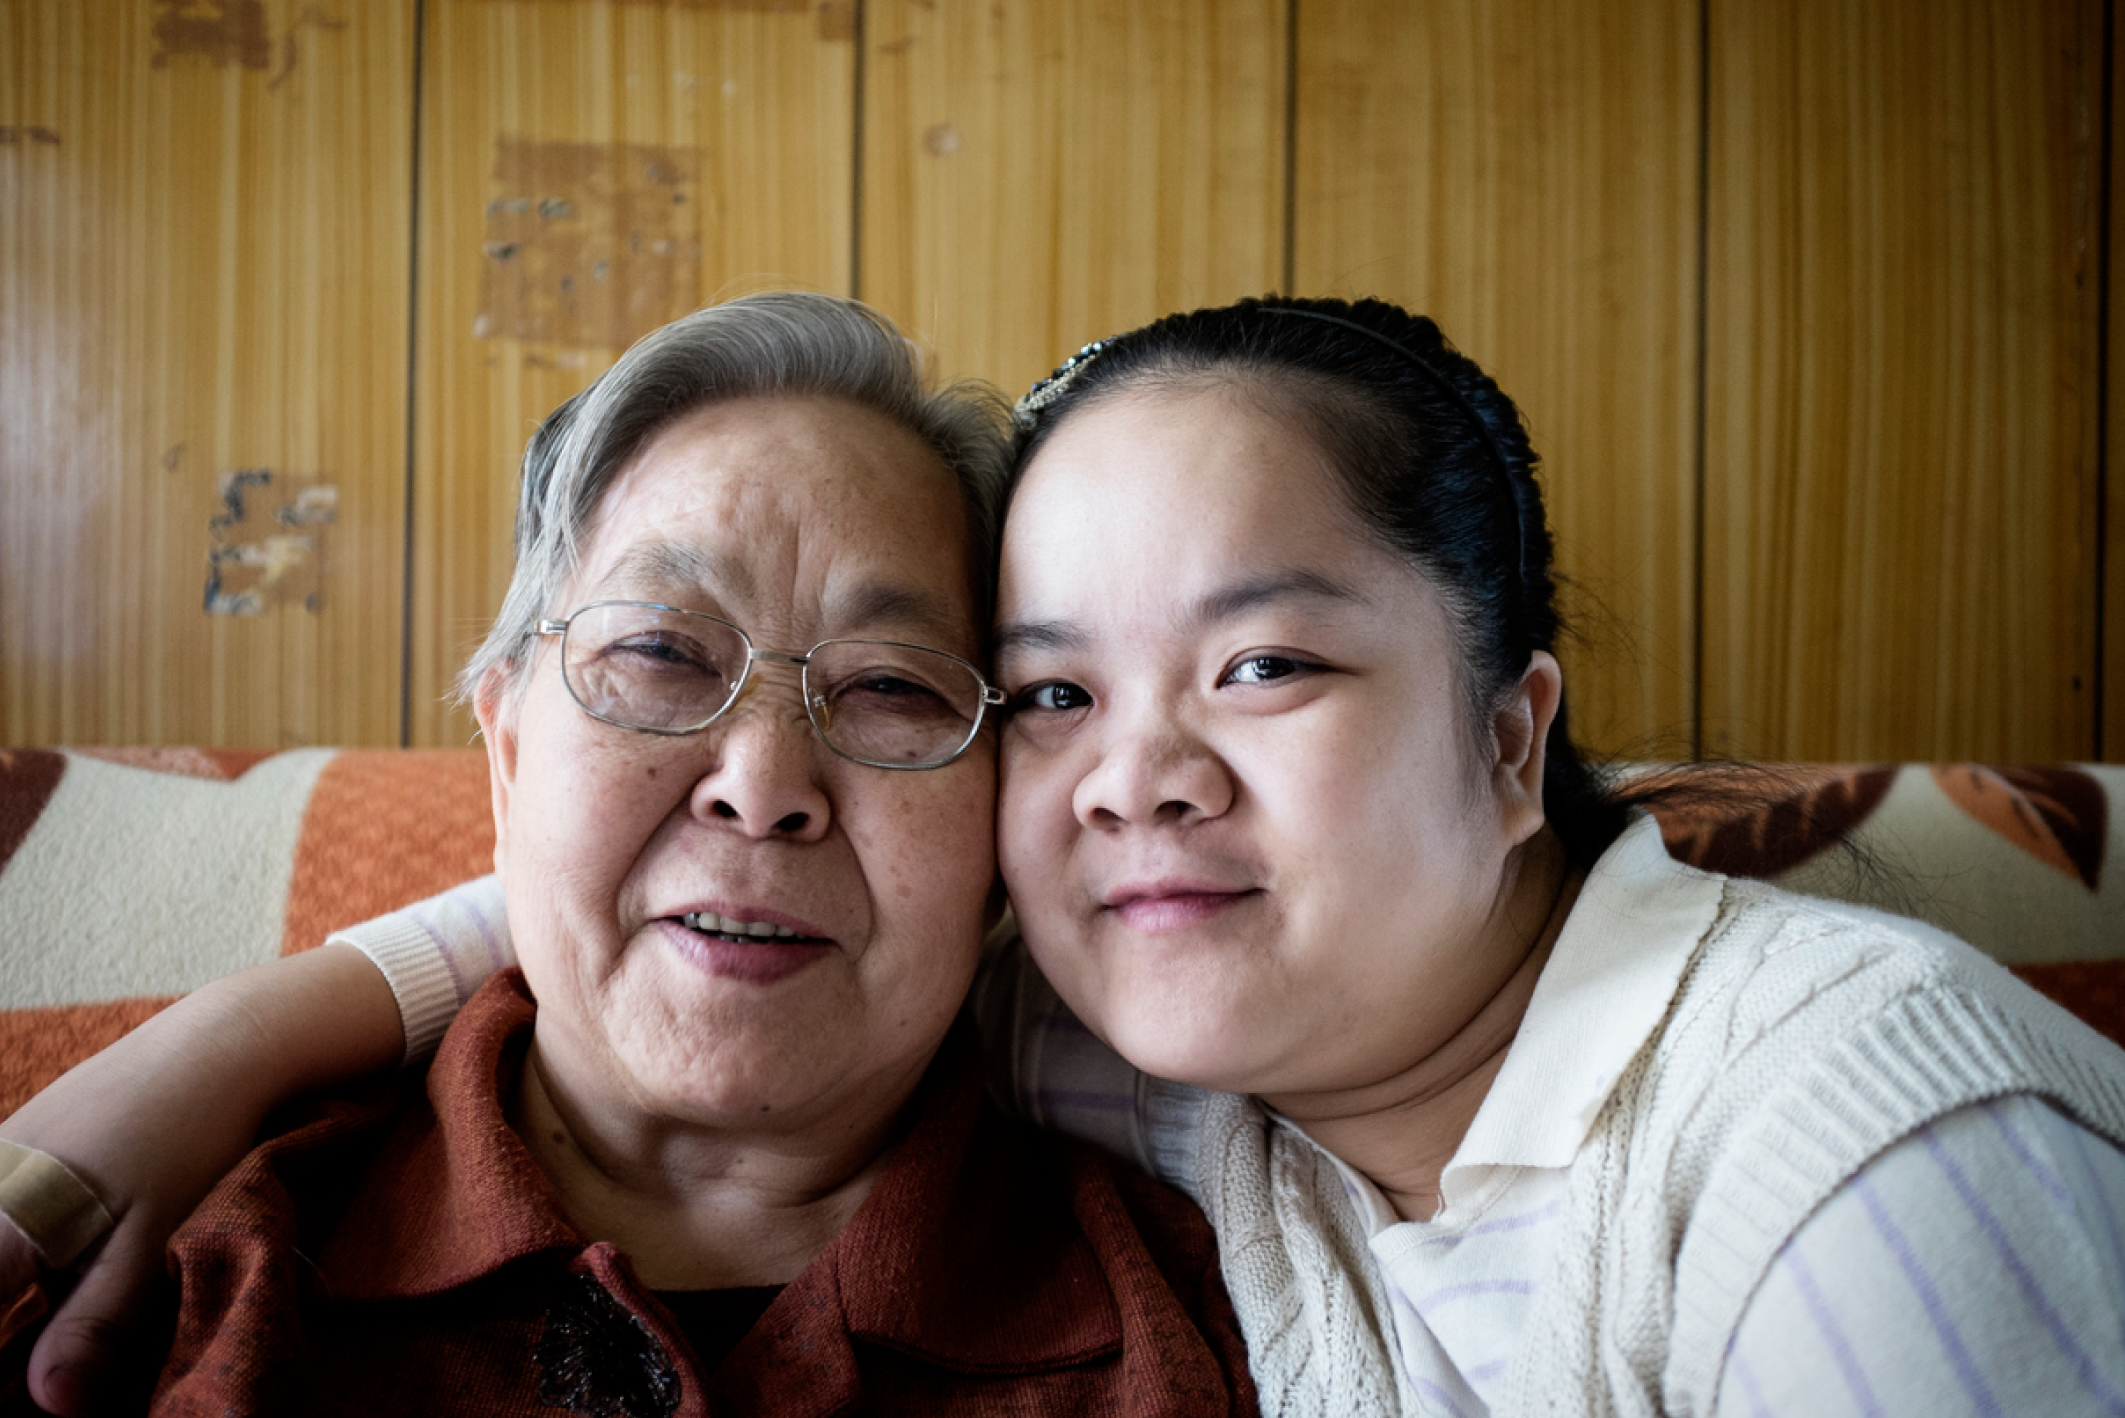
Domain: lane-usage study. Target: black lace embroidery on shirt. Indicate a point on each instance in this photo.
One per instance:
(598, 1359)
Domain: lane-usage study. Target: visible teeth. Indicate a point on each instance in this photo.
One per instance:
(726, 925)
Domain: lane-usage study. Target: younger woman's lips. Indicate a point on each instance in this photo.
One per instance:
(1166, 913)
(755, 960)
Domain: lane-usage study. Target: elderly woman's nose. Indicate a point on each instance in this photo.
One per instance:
(763, 777)
(1157, 773)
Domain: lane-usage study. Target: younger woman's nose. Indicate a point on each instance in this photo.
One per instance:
(1161, 775)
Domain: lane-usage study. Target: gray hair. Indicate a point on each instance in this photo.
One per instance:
(788, 342)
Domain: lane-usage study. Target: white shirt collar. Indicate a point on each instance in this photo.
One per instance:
(1609, 981)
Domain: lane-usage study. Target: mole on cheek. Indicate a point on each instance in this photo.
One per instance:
(651, 772)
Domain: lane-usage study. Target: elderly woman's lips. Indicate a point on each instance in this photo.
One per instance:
(753, 959)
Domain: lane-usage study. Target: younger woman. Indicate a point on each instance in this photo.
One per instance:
(1494, 1107)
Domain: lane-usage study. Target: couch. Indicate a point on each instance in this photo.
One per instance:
(129, 876)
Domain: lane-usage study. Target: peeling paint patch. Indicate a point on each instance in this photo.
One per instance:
(223, 32)
(226, 32)
(266, 544)
(587, 244)
(290, 50)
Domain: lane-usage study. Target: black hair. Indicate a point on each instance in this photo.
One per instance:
(1433, 458)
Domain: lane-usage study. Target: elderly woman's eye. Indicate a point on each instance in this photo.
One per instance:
(1264, 669)
(1053, 696)
(661, 656)
(657, 649)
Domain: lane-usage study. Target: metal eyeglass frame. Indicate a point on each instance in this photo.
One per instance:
(990, 698)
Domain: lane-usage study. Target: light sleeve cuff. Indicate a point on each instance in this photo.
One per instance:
(435, 954)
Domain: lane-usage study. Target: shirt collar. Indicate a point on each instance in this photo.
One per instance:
(1609, 982)
(965, 1252)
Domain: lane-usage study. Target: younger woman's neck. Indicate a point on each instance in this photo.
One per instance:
(1401, 1131)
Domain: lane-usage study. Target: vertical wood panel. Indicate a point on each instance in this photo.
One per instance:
(588, 171)
(203, 266)
(1901, 396)
(1526, 173)
(1037, 176)
(2111, 746)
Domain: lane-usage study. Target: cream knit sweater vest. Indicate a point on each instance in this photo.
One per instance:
(1806, 1038)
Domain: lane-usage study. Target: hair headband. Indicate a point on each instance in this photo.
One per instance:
(1048, 390)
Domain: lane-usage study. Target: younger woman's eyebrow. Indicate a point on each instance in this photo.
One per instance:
(1225, 603)
(1230, 602)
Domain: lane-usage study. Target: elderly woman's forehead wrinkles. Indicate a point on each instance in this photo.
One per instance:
(663, 567)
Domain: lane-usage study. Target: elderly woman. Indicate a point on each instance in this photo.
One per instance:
(719, 1147)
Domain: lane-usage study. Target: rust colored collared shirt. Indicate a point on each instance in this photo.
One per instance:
(409, 1256)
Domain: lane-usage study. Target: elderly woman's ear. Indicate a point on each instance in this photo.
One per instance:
(496, 710)
(1520, 735)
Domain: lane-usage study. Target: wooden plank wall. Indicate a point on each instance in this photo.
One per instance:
(203, 275)
(1804, 303)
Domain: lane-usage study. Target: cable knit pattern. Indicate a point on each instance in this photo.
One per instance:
(1312, 1304)
(1804, 1039)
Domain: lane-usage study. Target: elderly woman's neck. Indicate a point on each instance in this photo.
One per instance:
(1400, 1132)
(701, 1208)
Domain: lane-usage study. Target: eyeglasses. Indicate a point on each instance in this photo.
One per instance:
(660, 670)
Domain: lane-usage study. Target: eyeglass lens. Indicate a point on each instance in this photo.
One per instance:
(671, 671)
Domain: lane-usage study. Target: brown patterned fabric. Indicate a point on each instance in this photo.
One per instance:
(386, 828)
(28, 777)
(1804, 810)
(2057, 815)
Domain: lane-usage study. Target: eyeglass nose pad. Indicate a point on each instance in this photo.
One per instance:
(823, 712)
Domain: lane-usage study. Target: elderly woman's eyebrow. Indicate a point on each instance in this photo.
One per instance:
(662, 567)
(880, 605)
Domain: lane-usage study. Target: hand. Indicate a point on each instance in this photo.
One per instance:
(152, 1123)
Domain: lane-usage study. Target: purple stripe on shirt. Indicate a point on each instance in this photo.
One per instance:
(1503, 1223)
(1929, 1296)
(2091, 1378)
(2044, 1174)
(2081, 1138)
(457, 980)
(1847, 1362)
(1449, 1293)
(494, 948)
(1749, 1390)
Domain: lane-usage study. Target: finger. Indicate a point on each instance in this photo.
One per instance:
(91, 1351)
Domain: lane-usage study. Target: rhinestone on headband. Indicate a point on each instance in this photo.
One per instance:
(1055, 385)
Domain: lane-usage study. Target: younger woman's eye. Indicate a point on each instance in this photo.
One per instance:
(1263, 669)
(1054, 696)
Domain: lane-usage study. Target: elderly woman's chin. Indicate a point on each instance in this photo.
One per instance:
(662, 1036)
